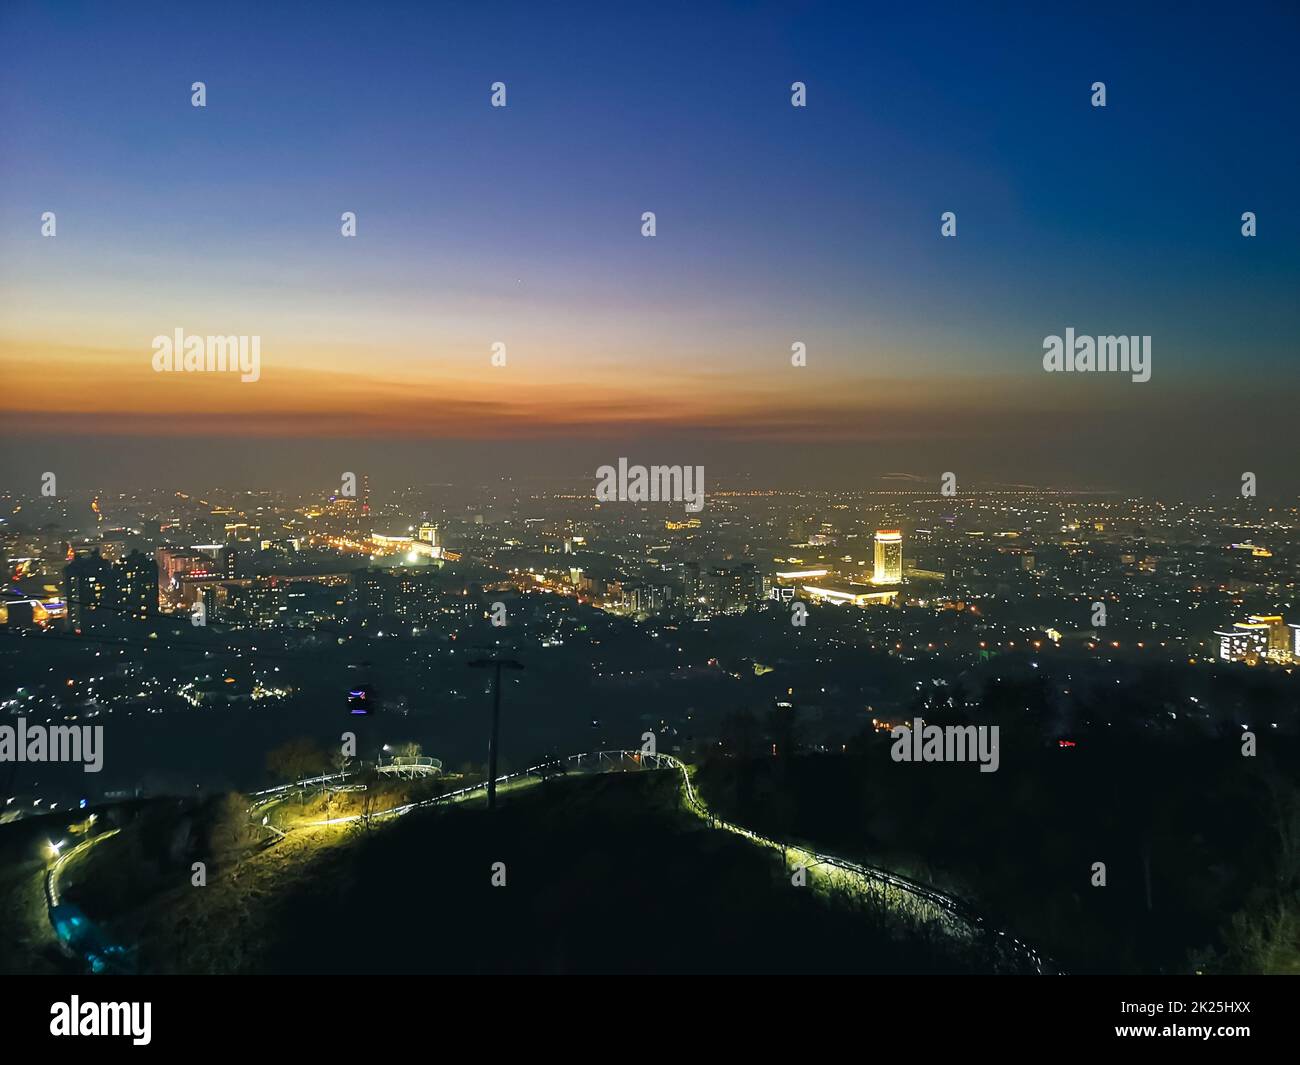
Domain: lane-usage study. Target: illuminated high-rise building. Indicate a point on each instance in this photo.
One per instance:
(208, 597)
(889, 557)
(176, 562)
(222, 555)
(126, 589)
(135, 586)
(1244, 642)
(692, 582)
(85, 580)
(1279, 643)
(734, 587)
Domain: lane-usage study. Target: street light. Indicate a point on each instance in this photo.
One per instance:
(498, 664)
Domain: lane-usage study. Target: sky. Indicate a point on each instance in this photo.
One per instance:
(775, 225)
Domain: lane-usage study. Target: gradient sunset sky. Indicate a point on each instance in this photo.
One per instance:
(775, 225)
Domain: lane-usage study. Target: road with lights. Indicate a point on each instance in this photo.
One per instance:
(55, 871)
(918, 900)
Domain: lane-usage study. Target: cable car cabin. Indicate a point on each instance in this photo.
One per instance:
(361, 699)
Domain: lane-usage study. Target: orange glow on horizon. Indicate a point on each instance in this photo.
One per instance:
(398, 395)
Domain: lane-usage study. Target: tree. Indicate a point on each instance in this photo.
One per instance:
(369, 778)
(231, 828)
(341, 762)
(296, 759)
(740, 733)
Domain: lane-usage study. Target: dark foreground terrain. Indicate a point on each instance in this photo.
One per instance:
(602, 874)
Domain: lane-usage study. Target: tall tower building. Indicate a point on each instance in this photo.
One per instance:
(692, 582)
(736, 586)
(208, 597)
(126, 589)
(889, 557)
(135, 586)
(85, 580)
